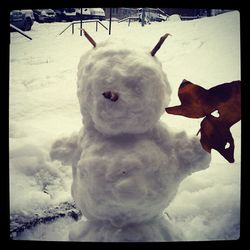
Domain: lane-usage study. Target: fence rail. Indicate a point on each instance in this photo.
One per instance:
(19, 31)
(72, 25)
(133, 18)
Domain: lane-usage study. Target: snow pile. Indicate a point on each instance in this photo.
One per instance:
(43, 107)
(44, 183)
(212, 205)
(174, 18)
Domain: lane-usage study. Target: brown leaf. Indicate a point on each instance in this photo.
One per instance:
(216, 134)
(197, 102)
(227, 98)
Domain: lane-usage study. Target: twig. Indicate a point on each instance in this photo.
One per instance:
(91, 40)
(158, 45)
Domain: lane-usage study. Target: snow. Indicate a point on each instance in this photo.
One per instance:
(119, 186)
(135, 76)
(44, 107)
(174, 18)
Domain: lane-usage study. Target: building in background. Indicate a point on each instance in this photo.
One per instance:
(120, 13)
(184, 13)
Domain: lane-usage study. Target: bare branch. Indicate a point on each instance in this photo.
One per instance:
(158, 45)
(91, 40)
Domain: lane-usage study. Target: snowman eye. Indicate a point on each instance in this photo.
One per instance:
(130, 83)
(83, 173)
(134, 87)
(138, 90)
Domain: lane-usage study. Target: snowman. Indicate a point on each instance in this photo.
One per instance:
(126, 164)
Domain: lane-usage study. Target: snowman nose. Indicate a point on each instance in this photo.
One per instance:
(112, 96)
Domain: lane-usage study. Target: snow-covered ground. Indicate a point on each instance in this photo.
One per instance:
(43, 107)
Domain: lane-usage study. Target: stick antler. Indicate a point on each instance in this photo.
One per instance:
(158, 45)
(91, 40)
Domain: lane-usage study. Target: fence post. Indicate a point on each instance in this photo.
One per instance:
(110, 16)
(81, 24)
(143, 17)
(73, 26)
(96, 26)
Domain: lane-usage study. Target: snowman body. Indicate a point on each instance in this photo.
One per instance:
(122, 184)
(127, 165)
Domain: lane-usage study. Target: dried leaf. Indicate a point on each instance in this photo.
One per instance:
(216, 134)
(197, 102)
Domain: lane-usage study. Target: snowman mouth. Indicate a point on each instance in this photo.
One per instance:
(110, 95)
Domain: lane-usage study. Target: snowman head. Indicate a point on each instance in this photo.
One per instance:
(121, 89)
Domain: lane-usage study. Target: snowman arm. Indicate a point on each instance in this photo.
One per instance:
(190, 154)
(66, 150)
